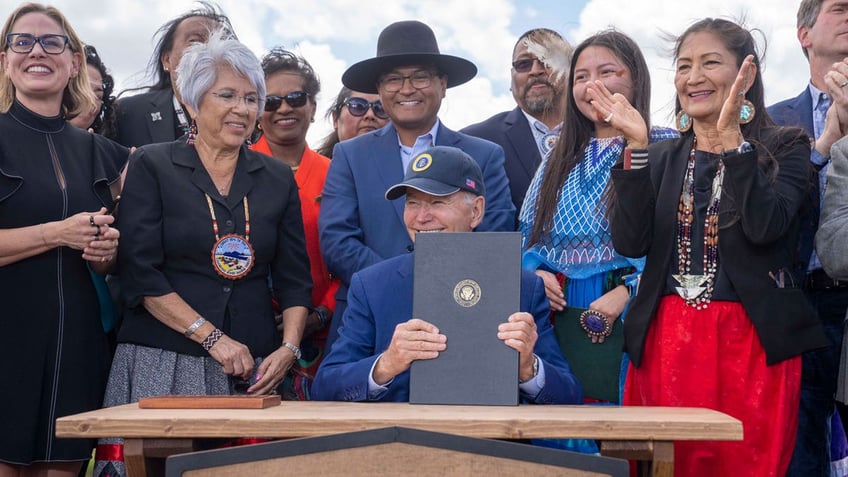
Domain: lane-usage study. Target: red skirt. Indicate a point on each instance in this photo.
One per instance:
(713, 359)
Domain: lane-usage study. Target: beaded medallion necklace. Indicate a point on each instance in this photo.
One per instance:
(697, 290)
(232, 254)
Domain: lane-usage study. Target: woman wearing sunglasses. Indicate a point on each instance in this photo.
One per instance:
(353, 113)
(290, 107)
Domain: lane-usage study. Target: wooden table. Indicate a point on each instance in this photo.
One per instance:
(643, 433)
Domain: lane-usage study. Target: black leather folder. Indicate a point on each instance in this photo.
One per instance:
(467, 284)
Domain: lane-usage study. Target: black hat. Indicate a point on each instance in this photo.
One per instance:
(403, 44)
(440, 171)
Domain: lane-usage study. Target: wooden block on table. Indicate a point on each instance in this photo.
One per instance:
(209, 402)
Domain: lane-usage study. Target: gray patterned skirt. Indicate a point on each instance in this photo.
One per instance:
(139, 371)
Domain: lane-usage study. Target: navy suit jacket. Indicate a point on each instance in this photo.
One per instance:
(146, 118)
(512, 132)
(381, 298)
(358, 227)
(798, 112)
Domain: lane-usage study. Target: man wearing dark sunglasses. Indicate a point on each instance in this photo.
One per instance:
(358, 227)
(540, 62)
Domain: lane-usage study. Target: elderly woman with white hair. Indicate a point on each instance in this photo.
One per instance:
(207, 221)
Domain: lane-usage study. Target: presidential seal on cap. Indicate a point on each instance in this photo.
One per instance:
(440, 171)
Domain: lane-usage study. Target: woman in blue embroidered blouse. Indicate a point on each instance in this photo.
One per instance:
(564, 221)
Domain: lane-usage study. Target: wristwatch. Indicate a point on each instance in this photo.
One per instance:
(535, 370)
(743, 148)
(294, 349)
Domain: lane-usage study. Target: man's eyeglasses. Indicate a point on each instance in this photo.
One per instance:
(295, 99)
(359, 107)
(24, 43)
(231, 99)
(392, 82)
(526, 64)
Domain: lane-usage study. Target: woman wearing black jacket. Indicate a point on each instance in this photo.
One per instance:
(719, 321)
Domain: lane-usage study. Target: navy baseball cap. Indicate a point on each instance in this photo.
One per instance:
(440, 171)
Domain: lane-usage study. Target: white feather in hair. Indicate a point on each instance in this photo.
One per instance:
(553, 52)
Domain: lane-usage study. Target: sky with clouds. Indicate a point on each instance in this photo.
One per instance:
(333, 34)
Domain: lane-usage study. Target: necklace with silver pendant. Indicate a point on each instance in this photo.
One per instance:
(697, 290)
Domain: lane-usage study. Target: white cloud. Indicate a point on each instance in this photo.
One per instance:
(333, 34)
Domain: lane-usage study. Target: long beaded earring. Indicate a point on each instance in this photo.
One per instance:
(682, 121)
(192, 133)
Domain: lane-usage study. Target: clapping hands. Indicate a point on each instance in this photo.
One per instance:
(836, 119)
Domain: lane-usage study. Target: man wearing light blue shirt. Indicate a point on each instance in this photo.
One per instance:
(357, 226)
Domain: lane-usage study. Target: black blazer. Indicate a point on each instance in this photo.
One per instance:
(167, 240)
(762, 240)
(511, 131)
(146, 118)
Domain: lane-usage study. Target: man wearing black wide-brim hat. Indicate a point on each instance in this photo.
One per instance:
(358, 227)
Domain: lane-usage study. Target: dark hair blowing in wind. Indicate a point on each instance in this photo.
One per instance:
(578, 130)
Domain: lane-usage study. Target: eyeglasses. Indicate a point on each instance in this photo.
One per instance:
(232, 100)
(359, 107)
(526, 64)
(392, 83)
(24, 43)
(295, 99)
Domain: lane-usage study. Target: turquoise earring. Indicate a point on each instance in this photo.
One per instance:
(746, 112)
(683, 122)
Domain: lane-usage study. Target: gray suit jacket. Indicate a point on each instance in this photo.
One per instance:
(833, 225)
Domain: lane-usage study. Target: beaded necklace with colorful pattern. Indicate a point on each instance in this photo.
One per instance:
(697, 290)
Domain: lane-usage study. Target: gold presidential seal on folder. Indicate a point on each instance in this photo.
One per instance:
(467, 293)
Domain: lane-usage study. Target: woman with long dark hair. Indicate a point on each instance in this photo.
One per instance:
(719, 320)
(564, 218)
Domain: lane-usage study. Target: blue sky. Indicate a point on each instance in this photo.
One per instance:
(333, 34)
(560, 16)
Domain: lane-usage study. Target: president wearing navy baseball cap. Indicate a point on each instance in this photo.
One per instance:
(441, 171)
(379, 339)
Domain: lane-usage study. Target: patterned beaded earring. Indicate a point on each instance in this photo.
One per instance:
(192, 133)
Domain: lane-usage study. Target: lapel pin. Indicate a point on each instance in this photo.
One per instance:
(157, 116)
